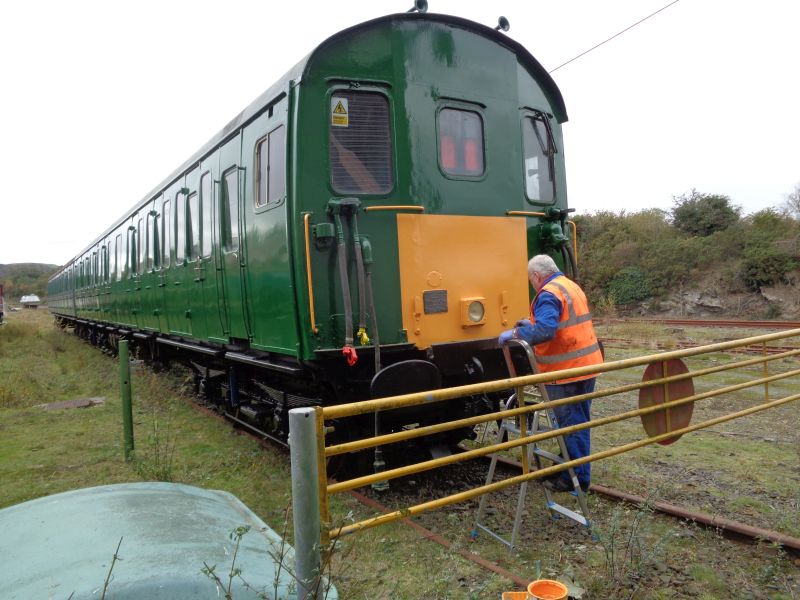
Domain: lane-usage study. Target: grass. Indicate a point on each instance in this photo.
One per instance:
(733, 471)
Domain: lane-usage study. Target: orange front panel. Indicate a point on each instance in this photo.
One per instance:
(447, 263)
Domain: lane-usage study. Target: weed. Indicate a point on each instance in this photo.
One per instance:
(629, 549)
(606, 306)
(114, 560)
(234, 572)
(157, 462)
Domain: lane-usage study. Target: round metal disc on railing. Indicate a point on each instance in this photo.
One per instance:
(670, 419)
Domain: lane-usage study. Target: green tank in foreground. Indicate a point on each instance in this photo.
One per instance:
(62, 546)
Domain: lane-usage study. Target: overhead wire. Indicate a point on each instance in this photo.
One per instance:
(614, 36)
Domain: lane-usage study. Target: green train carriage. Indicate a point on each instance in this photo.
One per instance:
(384, 195)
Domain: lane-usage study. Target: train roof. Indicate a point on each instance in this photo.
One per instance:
(275, 92)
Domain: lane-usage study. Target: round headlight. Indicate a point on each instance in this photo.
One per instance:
(476, 311)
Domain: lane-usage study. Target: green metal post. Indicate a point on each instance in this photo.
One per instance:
(305, 503)
(125, 391)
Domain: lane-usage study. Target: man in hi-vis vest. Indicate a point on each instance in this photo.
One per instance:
(561, 333)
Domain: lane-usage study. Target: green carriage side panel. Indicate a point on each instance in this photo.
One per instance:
(422, 64)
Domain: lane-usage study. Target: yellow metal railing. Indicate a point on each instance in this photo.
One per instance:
(348, 410)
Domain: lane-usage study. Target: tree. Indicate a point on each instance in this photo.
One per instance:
(703, 214)
(792, 205)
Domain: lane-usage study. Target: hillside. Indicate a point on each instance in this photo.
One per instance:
(703, 262)
(19, 279)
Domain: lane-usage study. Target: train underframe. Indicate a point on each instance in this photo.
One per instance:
(257, 390)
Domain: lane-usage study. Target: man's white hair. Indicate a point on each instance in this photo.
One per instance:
(543, 265)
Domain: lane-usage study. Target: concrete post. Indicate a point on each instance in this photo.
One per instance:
(305, 503)
(125, 392)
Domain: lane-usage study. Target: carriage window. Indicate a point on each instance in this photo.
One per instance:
(130, 252)
(461, 142)
(360, 146)
(271, 178)
(141, 240)
(205, 215)
(193, 235)
(180, 227)
(539, 148)
(152, 242)
(112, 258)
(166, 234)
(118, 264)
(229, 210)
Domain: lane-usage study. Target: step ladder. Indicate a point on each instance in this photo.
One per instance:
(532, 454)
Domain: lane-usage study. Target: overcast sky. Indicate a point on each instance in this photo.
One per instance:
(101, 100)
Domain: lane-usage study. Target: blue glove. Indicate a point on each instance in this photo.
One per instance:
(523, 323)
(505, 336)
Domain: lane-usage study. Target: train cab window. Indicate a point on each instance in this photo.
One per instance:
(193, 235)
(461, 142)
(539, 149)
(180, 227)
(271, 161)
(360, 144)
(229, 209)
(166, 234)
(205, 215)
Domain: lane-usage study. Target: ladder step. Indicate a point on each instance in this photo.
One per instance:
(548, 455)
(570, 514)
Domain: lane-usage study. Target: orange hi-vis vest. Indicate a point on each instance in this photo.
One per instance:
(575, 344)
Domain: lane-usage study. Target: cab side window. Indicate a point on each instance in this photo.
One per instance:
(539, 149)
(461, 142)
(360, 143)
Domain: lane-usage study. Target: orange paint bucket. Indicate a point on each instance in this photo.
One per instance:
(547, 589)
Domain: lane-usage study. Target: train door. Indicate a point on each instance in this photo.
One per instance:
(194, 267)
(111, 277)
(94, 304)
(138, 265)
(230, 232)
(271, 296)
(205, 281)
(129, 280)
(150, 275)
(165, 235)
(181, 273)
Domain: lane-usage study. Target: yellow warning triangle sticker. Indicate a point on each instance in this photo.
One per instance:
(340, 109)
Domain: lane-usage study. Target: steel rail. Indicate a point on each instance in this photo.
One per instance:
(475, 492)
(391, 438)
(370, 406)
(524, 440)
(716, 323)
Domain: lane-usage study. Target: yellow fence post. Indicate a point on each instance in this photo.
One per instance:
(765, 371)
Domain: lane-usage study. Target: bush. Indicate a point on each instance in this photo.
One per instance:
(629, 286)
(703, 214)
(765, 265)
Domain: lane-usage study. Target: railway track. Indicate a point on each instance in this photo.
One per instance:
(680, 345)
(716, 323)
